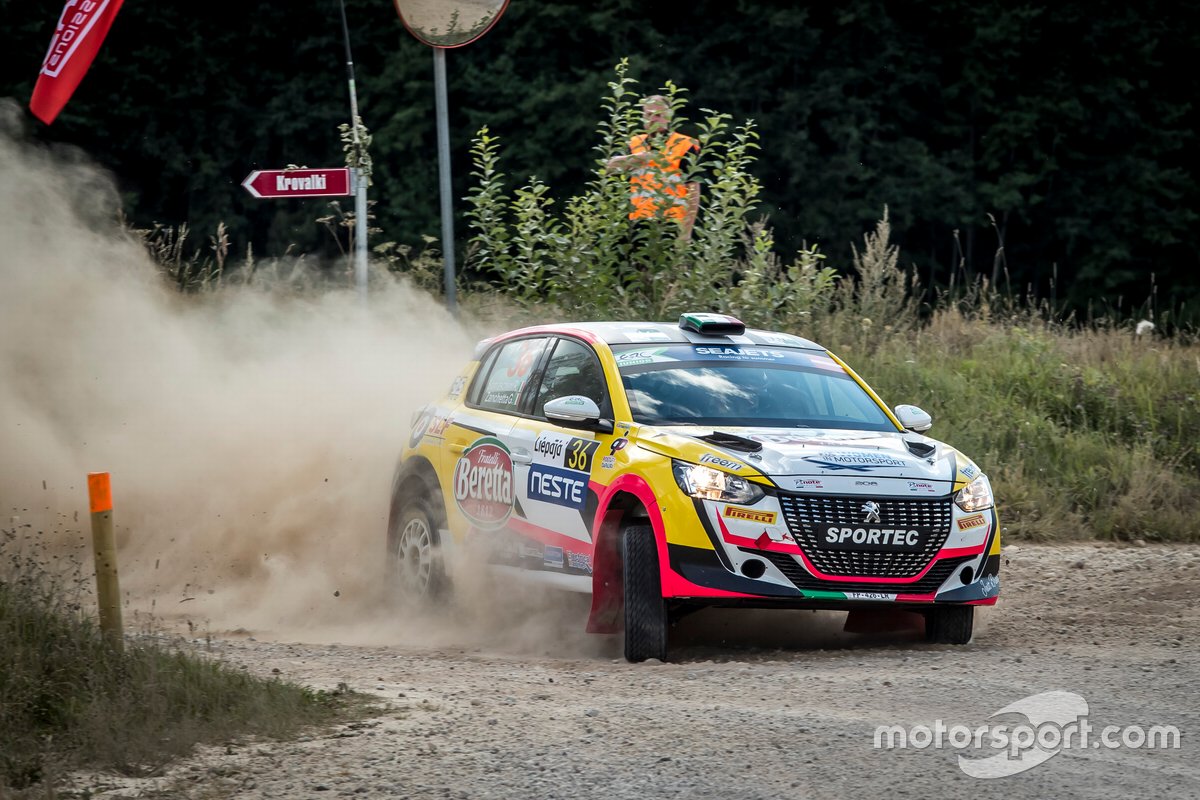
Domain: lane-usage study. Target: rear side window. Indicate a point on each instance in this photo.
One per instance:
(508, 371)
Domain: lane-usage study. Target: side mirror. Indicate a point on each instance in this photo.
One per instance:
(577, 411)
(913, 418)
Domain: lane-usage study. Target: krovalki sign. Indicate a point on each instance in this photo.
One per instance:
(299, 182)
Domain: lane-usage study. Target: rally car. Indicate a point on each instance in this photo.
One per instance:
(665, 467)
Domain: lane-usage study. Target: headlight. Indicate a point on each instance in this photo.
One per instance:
(976, 495)
(713, 484)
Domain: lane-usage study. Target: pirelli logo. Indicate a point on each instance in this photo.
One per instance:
(973, 521)
(750, 515)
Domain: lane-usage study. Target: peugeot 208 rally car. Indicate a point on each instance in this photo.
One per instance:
(663, 467)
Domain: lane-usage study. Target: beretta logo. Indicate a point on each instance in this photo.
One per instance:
(483, 483)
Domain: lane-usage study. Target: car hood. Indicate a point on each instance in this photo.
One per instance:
(835, 458)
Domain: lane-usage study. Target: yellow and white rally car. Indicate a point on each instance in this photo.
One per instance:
(664, 467)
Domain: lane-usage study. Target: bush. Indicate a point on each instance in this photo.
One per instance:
(593, 259)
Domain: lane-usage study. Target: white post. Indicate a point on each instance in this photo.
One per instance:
(360, 235)
(360, 180)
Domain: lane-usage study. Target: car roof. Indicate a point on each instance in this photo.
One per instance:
(619, 333)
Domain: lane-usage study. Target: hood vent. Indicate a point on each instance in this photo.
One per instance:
(920, 449)
(732, 441)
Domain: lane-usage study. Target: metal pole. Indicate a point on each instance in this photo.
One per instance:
(443, 140)
(360, 194)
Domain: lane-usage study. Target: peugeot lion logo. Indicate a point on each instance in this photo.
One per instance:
(870, 511)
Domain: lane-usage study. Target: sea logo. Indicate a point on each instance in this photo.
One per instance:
(483, 483)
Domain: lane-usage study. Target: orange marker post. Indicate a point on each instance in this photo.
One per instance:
(104, 549)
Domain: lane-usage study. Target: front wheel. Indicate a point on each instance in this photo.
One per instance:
(416, 569)
(645, 609)
(950, 625)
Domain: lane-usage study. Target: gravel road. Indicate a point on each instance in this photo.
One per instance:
(753, 704)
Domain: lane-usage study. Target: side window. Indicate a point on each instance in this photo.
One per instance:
(572, 369)
(511, 369)
(480, 379)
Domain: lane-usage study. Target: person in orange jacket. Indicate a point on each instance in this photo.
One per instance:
(656, 162)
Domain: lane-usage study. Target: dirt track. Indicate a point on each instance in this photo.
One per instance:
(754, 704)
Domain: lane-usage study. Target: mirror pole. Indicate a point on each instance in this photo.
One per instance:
(443, 141)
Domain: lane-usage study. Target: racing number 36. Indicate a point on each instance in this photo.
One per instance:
(579, 454)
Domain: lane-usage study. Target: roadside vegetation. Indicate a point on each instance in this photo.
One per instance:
(1088, 426)
(69, 700)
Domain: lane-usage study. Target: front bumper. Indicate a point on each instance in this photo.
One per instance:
(960, 565)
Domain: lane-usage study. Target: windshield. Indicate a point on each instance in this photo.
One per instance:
(743, 386)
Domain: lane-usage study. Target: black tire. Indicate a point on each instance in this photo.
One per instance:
(415, 570)
(646, 618)
(950, 625)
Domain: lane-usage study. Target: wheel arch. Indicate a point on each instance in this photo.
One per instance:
(626, 500)
(414, 476)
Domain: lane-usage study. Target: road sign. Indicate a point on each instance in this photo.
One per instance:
(299, 183)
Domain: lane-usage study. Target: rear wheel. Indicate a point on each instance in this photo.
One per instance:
(950, 625)
(646, 617)
(416, 571)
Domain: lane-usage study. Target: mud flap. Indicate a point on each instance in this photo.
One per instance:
(607, 585)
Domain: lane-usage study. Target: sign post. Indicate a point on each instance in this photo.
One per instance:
(359, 158)
(276, 183)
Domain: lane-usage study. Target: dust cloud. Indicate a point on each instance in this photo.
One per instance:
(251, 434)
(251, 437)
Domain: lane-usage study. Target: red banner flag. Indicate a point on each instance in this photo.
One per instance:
(80, 32)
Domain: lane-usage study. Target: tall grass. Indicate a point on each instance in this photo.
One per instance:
(1085, 431)
(68, 699)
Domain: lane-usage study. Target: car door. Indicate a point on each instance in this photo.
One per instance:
(480, 486)
(555, 498)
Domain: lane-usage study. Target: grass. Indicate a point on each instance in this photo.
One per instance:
(1086, 432)
(68, 700)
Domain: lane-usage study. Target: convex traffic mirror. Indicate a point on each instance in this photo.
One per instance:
(449, 23)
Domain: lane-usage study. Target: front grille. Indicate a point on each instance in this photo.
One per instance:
(928, 584)
(807, 515)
